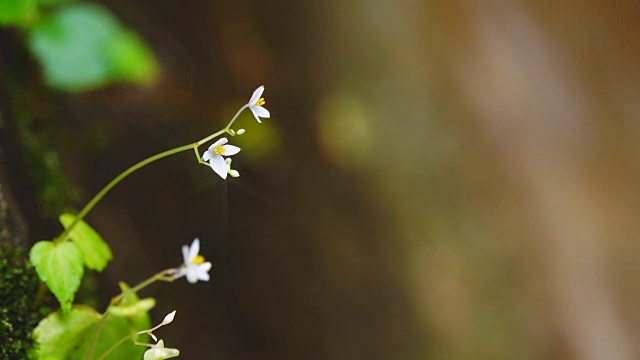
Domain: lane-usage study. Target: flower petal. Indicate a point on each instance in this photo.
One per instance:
(219, 166)
(219, 142)
(185, 254)
(261, 112)
(256, 96)
(194, 250)
(203, 271)
(231, 150)
(255, 115)
(206, 266)
(206, 156)
(192, 274)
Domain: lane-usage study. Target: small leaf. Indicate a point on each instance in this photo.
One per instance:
(95, 251)
(59, 265)
(17, 12)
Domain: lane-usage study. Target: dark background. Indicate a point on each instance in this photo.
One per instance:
(438, 180)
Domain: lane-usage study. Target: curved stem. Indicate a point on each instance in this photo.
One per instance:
(236, 116)
(216, 134)
(114, 182)
(164, 275)
(103, 321)
(114, 346)
(40, 294)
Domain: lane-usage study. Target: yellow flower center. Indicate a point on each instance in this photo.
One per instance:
(260, 102)
(198, 260)
(219, 150)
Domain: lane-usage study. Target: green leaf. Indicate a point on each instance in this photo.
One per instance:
(69, 336)
(17, 12)
(141, 307)
(95, 251)
(57, 334)
(53, 2)
(131, 60)
(60, 265)
(83, 46)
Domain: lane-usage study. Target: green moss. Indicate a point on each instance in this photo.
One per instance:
(18, 286)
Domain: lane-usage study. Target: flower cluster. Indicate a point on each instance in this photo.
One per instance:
(194, 266)
(218, 152)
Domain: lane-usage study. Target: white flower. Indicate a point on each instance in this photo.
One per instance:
(194, 267)
(159, 352)
(255, 105)
(214, 156)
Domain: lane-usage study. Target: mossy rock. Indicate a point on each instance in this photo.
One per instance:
(18, 286)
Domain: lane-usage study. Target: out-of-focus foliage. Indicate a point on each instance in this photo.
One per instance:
(83, 47)
(95, 251)
(80, 46)
(53, 2)
(17, 316)
(17, 12)
(71, 335)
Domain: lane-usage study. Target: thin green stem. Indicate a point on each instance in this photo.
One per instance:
(114, 182)
(114, 346)
(103, 321)
(164, 275)
(216, 134)
(141, 164)
(40, 294)
(236, 116)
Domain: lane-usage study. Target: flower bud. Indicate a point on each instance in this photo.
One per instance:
(169, 318)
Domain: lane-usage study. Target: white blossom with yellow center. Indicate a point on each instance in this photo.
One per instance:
(214, 155)
(255, 105)
(194, 267)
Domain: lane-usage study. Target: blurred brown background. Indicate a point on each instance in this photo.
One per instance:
(439, 179)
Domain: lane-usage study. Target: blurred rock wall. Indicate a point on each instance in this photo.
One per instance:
(439, 179)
